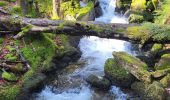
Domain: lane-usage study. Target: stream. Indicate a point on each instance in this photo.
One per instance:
(71, 84)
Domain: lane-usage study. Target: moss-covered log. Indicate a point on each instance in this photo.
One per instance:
(129, 32)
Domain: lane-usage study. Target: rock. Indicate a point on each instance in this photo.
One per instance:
(158, 74)
(134, 65)
(153, 91)
(33, 83)
(163, 63)
(97, 9)
(156, 47)
(99, 82)
(117, 74)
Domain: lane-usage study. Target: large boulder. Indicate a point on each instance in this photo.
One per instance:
(153, 91)
(118, 75)
(98, 82)
(133, 65)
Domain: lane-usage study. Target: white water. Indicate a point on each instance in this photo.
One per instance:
(95, 52)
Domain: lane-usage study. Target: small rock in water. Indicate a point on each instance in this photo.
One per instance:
(98, 82)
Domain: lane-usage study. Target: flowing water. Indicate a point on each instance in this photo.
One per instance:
(95, 51)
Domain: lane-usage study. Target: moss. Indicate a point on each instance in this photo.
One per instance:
(16, 10)
(24, 30)
(9, 76)
(42, 49)
(153, 91)
(136, 18)
(148, 31)
(117, 74)
(156, 47)
(2, 4)
(11, 57)
(165, 81)
(163, 63)
(10, 92)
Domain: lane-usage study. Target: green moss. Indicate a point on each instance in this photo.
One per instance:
(9, 76)
(24, 30)
(162, 12)
(16, 10)
(9, 92)
(42, 50)
(148, 31)
(136, 18)
(163, 63)
(2, 4)
(165, 81)
(11, 57)
(117, 74)
(157, 47)
(112, 68)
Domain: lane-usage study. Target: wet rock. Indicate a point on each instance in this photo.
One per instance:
(34, 82)
(153, 91)
(97, 9)
(98, 82)
(118, 75)
(133, 65)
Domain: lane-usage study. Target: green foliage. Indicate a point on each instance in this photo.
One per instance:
(40, 52)
(149, 30)
(72, 8)
(9, 76)
(2, 4)
(9, 92)
(11, 57)
(136, 18)
(16, 10)
(138, 5)
(162, 12)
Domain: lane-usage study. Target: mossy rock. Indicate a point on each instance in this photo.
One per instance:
(164, 62)
(153, 91)
(156, 47)
(134, 65)
(136, 18)
(165, 81)
(9, 76)
(117, 74)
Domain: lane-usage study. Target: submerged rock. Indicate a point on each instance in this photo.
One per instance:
(118, 75)
(133, 65)
(153, 91)
(98, 82)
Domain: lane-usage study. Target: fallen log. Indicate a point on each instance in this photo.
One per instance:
(24, 26)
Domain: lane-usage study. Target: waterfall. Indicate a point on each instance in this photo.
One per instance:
(95, 51)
